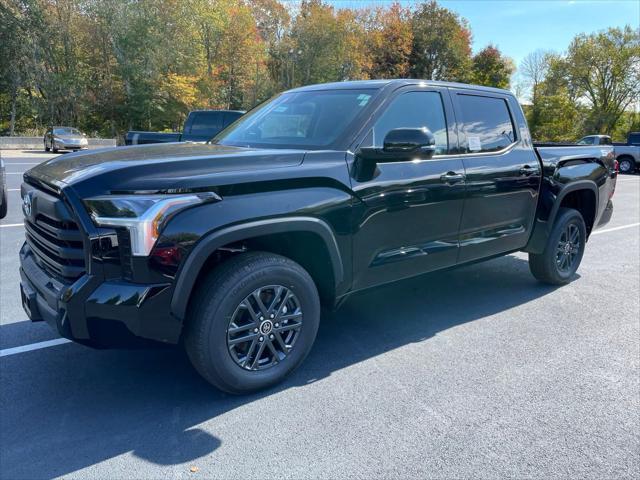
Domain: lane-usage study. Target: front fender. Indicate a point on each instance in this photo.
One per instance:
(207, 245)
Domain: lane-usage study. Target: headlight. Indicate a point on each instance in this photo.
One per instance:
(143, 215)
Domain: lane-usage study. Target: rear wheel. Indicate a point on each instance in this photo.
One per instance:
(253, 321)
(563, 252)
(626, 165)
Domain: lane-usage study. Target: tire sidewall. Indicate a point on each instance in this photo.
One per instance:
(567, 217)
(220, 314)
(629, 162)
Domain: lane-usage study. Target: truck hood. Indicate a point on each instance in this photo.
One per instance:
(159, 167)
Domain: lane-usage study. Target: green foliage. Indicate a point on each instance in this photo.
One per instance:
(588, 90)
(441, 44)
(491, 68)
(107, 66)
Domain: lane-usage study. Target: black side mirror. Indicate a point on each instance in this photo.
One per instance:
(411, 141)
(399, 145)
(402, 144)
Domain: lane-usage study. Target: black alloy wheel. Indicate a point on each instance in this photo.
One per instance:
(264, 328)
(568, 248)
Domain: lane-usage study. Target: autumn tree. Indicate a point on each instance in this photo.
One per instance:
(441, 47)
(604, 69)
(491, 68)
(388, 40)
(323, 45)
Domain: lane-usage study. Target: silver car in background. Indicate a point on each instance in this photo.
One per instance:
(64, 138)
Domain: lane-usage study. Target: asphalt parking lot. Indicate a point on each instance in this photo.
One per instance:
(479, 372)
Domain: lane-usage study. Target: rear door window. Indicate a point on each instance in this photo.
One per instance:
(486, 123)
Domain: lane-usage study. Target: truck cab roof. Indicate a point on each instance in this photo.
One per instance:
(400, 82)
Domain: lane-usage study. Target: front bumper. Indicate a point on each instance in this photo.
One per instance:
(70, 146)
(109, 313)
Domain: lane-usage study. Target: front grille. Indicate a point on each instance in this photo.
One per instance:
(54, 236)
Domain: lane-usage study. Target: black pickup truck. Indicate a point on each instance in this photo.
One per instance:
(200, 126)
(231, 247)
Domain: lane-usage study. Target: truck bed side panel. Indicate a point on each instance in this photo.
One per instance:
(570, 168)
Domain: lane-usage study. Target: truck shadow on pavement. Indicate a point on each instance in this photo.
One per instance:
(70, 407)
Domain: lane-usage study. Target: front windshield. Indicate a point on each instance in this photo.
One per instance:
(311, 120)
(66, 131)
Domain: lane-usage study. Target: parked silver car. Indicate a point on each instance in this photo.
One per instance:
(64, 138)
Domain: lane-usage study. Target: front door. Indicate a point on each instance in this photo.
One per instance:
(407, 220)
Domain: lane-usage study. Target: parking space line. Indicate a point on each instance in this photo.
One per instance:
(607, 230)
(12, 225)
(33, 346)
(13, 189)
(21, 163)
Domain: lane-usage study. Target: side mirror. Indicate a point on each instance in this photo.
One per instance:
(402, 144)
(410, 141)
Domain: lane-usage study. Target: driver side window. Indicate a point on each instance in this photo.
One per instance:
(414, 110)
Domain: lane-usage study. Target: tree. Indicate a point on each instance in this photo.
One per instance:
(441, 44)
(388, 41)
(533, 71)
(604, 69)
(323, 46)
(491, 68)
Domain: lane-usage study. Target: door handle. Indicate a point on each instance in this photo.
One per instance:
(452, 177)
(527, 170)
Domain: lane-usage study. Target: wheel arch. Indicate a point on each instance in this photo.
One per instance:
(581, 195)
(273, 235)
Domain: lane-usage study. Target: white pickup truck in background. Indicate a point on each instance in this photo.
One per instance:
(627, 154)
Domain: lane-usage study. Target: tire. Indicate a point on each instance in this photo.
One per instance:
(3, 205)
(554, 266)
(53, 148)
(220, 301)
(626, 165)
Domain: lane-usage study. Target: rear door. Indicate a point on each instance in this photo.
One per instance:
(502, 174)
(408, 218)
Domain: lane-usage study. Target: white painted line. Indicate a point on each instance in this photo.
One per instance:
(13, 189)
(607, 230)
(33, 346)
(14, 173)
(12, 225)
(22, 163)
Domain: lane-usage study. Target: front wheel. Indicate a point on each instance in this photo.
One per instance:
(563, 252)
(252, 322)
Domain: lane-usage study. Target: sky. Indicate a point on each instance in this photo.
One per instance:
(521, 27)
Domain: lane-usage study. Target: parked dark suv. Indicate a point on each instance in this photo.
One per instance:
(232, 246)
